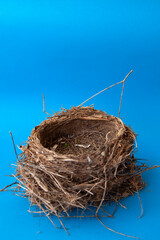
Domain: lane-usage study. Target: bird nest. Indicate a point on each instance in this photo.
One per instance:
(78, 158)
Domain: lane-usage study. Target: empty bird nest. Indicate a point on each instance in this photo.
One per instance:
(79, 158)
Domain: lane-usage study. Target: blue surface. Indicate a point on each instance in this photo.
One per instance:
(70, 50)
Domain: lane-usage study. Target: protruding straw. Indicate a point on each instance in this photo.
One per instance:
(3, 189)
(99, 93)
(107, 89)
(44, 106)
(14, 146)
(122, 92)
(140, 204)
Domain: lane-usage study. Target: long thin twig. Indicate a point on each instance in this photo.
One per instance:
(105, 89)
(121, 99)
(115, 209)
(44, 107)
(62, 224)
(14, 147)
(40, 206)
(1, 190)
(99, 93)
(104, 193)
(122, 92)
(86, 216)
(140, 204)
(115, 231)
(109, 215)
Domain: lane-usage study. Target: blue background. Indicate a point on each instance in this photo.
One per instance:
(70, 50)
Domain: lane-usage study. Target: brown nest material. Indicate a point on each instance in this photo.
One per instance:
(78, 158)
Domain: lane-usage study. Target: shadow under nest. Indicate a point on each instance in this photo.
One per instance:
(78, 158)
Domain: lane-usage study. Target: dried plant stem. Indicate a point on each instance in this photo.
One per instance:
(115, 231)
(86, 216)
(122, 91)
(14, 147)
(1, 190)
(62, 224)
(106, 89)
(109, 215)
(40, 206)
(104, 192)
(44, 107)
(140, 204)
(99, 93)
(121, 99)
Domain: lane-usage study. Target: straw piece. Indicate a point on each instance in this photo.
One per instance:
(122, 92)
(107, 89)
(125, 235)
